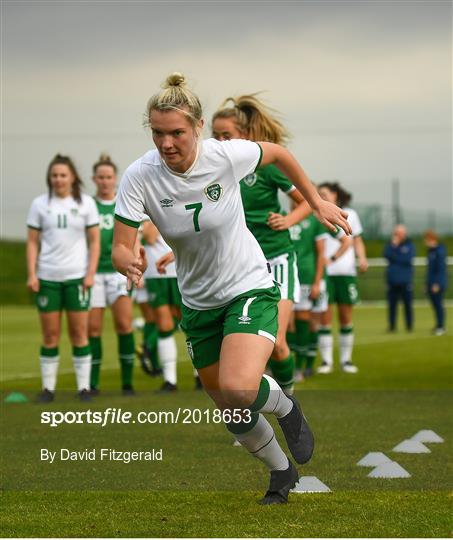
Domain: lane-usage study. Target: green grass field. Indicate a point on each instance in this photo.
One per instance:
(205, 487)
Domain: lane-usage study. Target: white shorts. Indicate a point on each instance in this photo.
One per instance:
(307, 304)
(284, 271)
(140, 296)
(107, 289)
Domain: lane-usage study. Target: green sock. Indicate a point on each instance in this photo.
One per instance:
(312, 349)
(283, 371)
(291, 340)
(126, 348)
(150, 335)
(303, 340)
(96, 359)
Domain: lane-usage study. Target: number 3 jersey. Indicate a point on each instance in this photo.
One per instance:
(200, 216)
(62, 222)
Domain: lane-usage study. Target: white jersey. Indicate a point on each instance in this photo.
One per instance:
(345, 265)
(200, 216)
(153, 253)
(63, 222)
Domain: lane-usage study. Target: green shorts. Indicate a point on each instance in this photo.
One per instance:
(284, 271)
(162, 292)
(343, 290)
(59, 295)
(253, 312)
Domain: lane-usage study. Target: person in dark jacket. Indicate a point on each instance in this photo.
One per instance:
(399, 253)
(436, 278)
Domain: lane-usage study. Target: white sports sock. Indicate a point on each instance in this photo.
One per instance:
(346, 345)
(49, 368)
(326, 348)
(260, 441)
(276, 402)
(167, 352)
(82, 368)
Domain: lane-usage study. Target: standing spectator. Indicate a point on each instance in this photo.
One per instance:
(399, 253)
(436, 278)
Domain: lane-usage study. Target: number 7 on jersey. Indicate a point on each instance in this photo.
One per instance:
(197, 207)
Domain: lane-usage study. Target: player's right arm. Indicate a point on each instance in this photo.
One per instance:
(33, 239)
(124, 259)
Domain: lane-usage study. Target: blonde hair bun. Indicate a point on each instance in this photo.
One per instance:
(105, 158)
(175, 79)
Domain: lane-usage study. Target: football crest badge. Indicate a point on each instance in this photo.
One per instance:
(213, 192)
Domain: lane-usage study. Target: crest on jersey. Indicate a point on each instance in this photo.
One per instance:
(74, 211)
(250, 179)
(213, 192)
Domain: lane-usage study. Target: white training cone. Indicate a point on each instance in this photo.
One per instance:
(373, 459)
(389, 470)
(427, 436)
(411, 447)
(310, 484)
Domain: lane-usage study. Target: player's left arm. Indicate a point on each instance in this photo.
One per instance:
(327, 213)
(301, 210)
(360, 251)
(94, 251)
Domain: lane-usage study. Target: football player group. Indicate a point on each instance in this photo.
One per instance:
(196, 235)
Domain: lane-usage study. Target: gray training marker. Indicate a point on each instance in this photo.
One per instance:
(411, 447)
(427, 436)
(373, 459)
(389, 470)
(310, 484)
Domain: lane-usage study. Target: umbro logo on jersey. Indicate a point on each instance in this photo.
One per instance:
(74, 211)
(250, 180)
(213, 192)
(244, 319)
(166, 203)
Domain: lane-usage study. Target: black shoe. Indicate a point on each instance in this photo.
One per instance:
(308, 372)
(94, 391)
(46, 396)
(144, 355)
(297, 433)
(128, 390)
(85, 395)
(167, 387)
(280, 485)
(198, 385)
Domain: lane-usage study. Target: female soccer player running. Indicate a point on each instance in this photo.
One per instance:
(190, 190)
(248, 118)
(62, 256)
(342, 284)
(110, 287)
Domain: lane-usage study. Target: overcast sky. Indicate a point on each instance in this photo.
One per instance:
(364, 87)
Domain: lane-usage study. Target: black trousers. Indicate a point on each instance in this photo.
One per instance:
(437, 303)
(395, 293)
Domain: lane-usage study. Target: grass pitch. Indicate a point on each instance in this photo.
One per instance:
(204, 487)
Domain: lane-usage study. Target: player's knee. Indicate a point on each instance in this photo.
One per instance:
(236, 397)
(123, 327)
